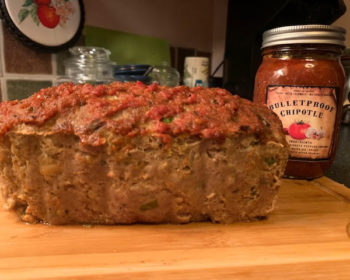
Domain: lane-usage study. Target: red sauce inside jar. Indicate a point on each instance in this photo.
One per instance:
(303, 84)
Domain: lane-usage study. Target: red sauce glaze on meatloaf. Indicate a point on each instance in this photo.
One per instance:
(136, 109)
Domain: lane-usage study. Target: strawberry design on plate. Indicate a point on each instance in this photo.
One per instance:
(48, 13)
(48, 16)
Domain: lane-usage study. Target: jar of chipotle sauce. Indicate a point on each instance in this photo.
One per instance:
(302, 80)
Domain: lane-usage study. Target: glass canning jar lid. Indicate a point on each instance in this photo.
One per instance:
(304, 34)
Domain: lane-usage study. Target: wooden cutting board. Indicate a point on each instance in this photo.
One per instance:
(306, 237)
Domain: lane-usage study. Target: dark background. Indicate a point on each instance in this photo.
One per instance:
(246, 22)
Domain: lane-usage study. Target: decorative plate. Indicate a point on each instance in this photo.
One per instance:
(48, 24)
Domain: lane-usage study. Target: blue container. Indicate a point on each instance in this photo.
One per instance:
(131, 69)
(132, 73)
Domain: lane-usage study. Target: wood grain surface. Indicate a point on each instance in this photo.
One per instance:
(306, 237)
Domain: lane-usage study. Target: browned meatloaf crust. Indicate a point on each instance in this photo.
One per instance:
(126, 153)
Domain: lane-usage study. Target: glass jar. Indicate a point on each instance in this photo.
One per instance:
(165, 75)
(302, 80)
(88, 65)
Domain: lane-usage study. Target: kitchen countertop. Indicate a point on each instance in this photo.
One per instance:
(340, 169)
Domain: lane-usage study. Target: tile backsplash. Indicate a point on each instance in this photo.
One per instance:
(21, 59)
(25, 70)
(19, 89)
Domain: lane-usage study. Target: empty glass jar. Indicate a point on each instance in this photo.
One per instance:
(88, 65)
(165, 75)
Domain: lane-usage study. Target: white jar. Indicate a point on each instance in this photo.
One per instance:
(196, 71)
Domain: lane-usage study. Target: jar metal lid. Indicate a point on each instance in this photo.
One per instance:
(304, 34)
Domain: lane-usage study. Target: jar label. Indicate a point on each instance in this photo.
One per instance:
(308, 116)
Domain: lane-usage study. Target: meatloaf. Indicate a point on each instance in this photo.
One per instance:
(126, 153)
